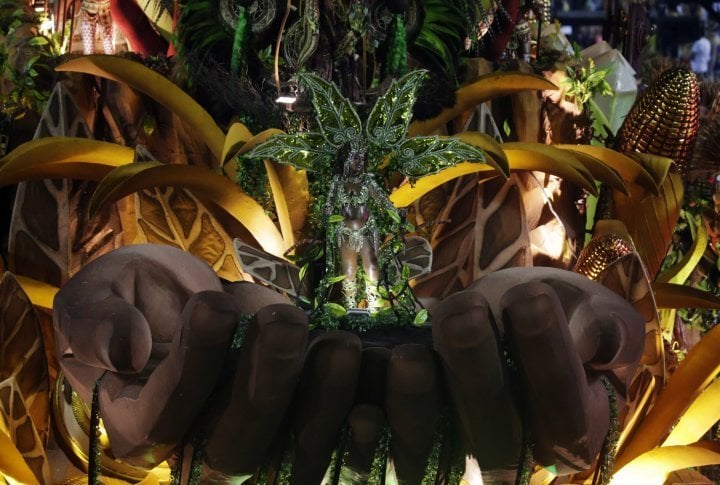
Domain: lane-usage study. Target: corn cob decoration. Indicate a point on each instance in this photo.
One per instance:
(600, 253)
(664, 121)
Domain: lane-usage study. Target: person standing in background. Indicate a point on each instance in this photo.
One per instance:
(94, 14)
(700, 56)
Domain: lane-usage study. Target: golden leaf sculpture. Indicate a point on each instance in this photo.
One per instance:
(173, 216)
(487, 231)
(610, 259)
(22, 351)
(650, 219)
(15, 415)
(51, 236)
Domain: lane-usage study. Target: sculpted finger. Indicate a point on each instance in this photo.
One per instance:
(609, 336)
(366, 428)
(267, 371)
(325, 396)
(413, 409)
(569, 419)
(251, 297)
(478, 382)
(144, 422)
(110, 334)
(373, 373)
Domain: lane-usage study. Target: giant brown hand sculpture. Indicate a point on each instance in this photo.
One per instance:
(519, 348)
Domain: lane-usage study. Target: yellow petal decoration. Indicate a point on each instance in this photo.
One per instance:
(261, 137)
(408, 193)
(536, 156)
(658, 167)
(213, 189)
(669, 295)
(12, 464)
(236, 137)
(78, 158)
(297, 194)
(702, 414)
(281, 205)
(492, 148)
(600, 171)
(630, 170)
(653, 467)
(651, 219)
(680, 272)
(486, 87)
(692, 376)
(158, 87)
(40, 293)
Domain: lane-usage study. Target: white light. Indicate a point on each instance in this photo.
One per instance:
(286, 99)
(39, 9)
(47, 26)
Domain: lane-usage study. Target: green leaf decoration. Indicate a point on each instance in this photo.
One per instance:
(306, 151)
(389, 119)
(335, 218)
(335, 310)
(338, 120)
(424, 155)
(421, 317)
(393, 214)
(336, 279)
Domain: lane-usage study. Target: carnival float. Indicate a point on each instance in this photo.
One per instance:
(353, 242)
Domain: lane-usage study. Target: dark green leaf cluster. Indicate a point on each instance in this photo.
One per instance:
(25, 59)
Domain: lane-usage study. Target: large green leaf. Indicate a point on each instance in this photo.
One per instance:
(390, 117)
(304, 151)
(424, 155)
(339, 122)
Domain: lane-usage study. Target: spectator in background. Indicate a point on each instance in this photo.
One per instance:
(701, 53)
(95, 15)
(714, 37)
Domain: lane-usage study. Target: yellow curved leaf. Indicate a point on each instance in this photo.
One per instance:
(12, 464)
(600, 171)
(150, 479)
(297, 194)
(681, 271)
(650, 218)
(158, 87)
(261, 137)
(486, 87)
(692, 376)
(653, 467)
(669, 295)
(408, 193)
(486, 143)
(211, 188)
(236, 137)
(702, 414)
(68, 170)
(630, 170)
(536, 156)
(281, 206)
(60, 157)
(40, 293)
(657, 166)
